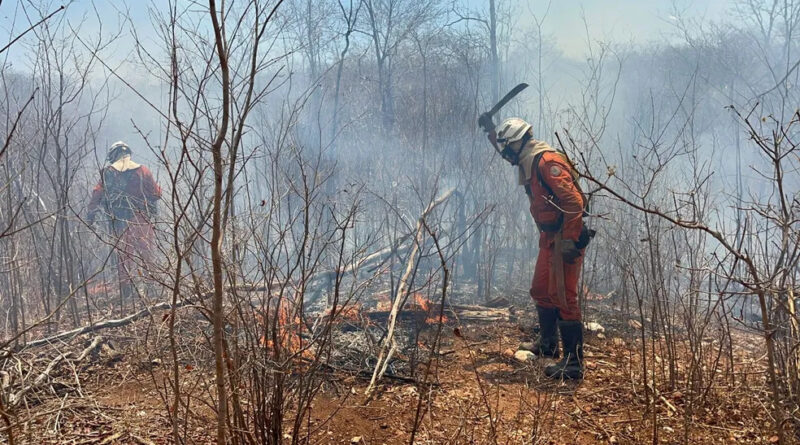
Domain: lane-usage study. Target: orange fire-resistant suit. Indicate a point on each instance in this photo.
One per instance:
(563, 201)
(128, 198)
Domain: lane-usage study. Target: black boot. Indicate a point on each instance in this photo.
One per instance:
(571, 366)
(547, 344)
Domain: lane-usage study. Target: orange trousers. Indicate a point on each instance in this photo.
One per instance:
(543, 288)
(134, 248)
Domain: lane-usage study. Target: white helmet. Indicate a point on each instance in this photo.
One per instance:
(117, 150)
(511, 130)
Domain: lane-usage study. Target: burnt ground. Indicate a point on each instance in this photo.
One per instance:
(478, 394)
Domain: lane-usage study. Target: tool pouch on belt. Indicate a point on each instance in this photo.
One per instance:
(553, 227)
(583, 239)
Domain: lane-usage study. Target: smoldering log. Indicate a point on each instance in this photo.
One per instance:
(389, 346)
(451, 312)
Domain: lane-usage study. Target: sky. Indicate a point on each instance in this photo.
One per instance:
(621, 21)
(637, 21)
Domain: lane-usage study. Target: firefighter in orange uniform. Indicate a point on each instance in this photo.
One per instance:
(126, 196)
(557, 205)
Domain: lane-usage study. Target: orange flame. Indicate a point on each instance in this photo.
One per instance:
(435, 319)
(427, 306)
(349, 313)
(288, 329)
(422, 302)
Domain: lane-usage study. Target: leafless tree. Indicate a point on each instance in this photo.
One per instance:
(390, 23)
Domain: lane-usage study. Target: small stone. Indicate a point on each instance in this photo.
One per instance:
(410, 391)
(524, 356)
(508, 353)
(601, 336)
(357, 439)
(634, 324)
(595, 327)
(668, 430)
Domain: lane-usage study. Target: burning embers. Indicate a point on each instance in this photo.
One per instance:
(417, 308)
(281, 327)
(431, 310)
(350, 312)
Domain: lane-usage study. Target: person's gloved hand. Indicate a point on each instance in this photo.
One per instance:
(485, 122)
(569, 252)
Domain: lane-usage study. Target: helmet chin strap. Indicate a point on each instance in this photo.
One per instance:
(512, 156)
(117, 153)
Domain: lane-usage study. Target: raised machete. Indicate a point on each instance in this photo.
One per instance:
(485, 120)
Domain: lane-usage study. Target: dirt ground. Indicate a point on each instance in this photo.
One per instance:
(478, 393)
